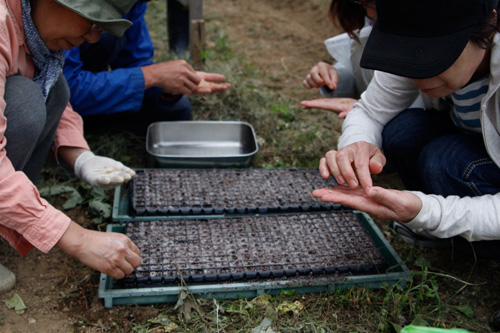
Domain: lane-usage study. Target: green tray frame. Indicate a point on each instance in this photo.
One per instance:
(397, 274)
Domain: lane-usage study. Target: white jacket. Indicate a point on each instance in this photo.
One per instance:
(474, 218)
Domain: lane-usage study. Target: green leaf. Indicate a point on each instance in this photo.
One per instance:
(74, 200)
(16, 303)
(264, 327)
(288, 292)
(466, 310)
(98, 194)
(55, 190)
(100, 208)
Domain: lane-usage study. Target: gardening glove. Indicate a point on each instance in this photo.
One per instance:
(103, 172)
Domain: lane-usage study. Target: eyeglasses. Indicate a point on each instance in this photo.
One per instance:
(364, 3)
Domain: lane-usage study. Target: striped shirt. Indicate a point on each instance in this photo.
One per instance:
(467, 104)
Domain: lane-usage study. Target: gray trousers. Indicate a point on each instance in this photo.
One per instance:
(32, 122)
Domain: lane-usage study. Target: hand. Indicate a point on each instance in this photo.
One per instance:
(209, 83)
(377, 202)
(108, 252)
(175, 77)
(341, 106)
(321, 74)
(102, 172)
(360, 158)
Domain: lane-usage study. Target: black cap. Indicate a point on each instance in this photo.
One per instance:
(422, 38)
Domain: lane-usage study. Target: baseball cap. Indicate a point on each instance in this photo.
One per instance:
(422, 38)
(107, 14)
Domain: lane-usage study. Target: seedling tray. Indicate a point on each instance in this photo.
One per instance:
(219, 192)
(325, 251)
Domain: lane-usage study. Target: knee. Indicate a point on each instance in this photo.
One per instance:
(23, 93)
(25, 106)
(441, 168)
(59, 95)
(398, 134)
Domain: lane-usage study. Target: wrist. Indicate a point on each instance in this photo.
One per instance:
(81, 160)
(72, 239)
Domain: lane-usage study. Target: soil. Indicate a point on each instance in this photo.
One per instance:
(283, 39)
(219, 191)
(251, 247)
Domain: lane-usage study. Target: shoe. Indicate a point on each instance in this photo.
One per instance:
(420, 237)
(7, 279)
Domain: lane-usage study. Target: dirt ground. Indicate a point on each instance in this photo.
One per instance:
(284, 39)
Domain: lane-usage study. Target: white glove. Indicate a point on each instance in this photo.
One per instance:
(103, 172)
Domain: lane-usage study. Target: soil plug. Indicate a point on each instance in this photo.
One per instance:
(16, 303)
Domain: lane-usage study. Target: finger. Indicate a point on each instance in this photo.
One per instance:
(323, 168)
(125, 267)
(135, 249)
(218, 87)
(332, 164)
(213, 77)
(344, 162)
(320, 192)
(317, 79)
(377, 163)
(190, 86)
(306, 84)
(327, 77)
(363, 172)
(354, 198)
(305, 104)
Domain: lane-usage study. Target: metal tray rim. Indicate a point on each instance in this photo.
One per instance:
(188, 157)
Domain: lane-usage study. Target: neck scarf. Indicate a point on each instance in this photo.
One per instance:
(48, 64)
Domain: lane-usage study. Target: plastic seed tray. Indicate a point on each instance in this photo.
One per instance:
(247, 256)
(183, 192)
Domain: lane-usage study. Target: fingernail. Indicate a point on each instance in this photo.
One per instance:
(341, 180)
(353, 183)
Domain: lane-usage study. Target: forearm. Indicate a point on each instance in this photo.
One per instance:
(474, 218)
(70, 154)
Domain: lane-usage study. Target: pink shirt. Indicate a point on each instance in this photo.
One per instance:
(26, 219)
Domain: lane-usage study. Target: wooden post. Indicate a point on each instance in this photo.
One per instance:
(195, 10)
(197, 43)
(196, 33)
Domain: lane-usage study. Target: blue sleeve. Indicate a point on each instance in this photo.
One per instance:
(139, 49)
(122, 88)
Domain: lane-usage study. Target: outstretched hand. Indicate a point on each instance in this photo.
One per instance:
(103, 172)
(377, 202)
(210, 83)
(107, 252)
(341, 106)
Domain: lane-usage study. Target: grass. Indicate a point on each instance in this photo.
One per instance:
(442, 293)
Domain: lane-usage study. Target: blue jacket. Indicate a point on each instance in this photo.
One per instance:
(122, 88)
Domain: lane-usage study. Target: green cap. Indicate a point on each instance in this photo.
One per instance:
(107, 14)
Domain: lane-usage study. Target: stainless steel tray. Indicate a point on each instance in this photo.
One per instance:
(202, 144)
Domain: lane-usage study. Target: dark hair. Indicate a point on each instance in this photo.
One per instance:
(350, 16)
(485, 31)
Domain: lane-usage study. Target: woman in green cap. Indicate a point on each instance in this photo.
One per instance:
(36, 118)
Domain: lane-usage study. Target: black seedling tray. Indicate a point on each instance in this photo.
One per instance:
(167, 192)
(217, 250)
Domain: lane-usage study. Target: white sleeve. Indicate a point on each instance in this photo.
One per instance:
(474, 218)
(386, 96)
